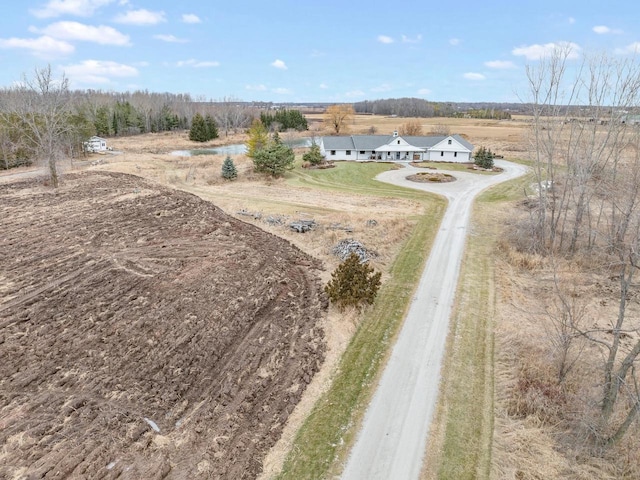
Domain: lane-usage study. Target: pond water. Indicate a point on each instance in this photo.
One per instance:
(237, 149)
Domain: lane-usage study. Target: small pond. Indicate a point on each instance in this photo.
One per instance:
(237, 149)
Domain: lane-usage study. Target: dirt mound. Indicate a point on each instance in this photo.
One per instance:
(146, 334)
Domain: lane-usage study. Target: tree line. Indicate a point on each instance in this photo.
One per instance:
(284, 120)
(419, 107)
(41, 101)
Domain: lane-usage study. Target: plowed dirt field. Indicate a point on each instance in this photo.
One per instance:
(145, 334)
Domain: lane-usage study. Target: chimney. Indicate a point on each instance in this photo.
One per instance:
(395, 133)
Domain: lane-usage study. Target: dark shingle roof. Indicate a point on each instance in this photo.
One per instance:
(371, 142)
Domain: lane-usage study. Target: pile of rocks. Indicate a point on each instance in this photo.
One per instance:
(346, 247)
(302, 226)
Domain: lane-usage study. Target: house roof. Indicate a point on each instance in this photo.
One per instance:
(372, 142)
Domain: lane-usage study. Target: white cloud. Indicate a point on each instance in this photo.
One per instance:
(79, 8)
(98, 72)
(424, 91)
(474, 76)
(632, 48)
(45, 46)
(256, 88)
(101, 34)
(281, 91)
(323, 86)
(279, 64)
(571, 20)
(385, 39)
(406, 39)
(141, 17)
(603, 29)
(536, 51)
(197, 63)
(190, 18)
(455, 41)
(354, 93)
(500, 64)
(170, 39)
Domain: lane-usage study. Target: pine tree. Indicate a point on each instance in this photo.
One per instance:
(212, 127)
(353, 283)
(484, 158)
(314, 155)
(198, 132)
(229, 171)
(274, 159)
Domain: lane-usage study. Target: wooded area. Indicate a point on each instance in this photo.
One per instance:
(43, 105)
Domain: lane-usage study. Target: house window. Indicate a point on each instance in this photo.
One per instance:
(333, 152)
(455, 154)
(348, 152)
(442, 154)
(361, 152)
(449, 142)
(398, 142)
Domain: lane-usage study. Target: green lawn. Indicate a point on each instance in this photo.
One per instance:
(463, 424)
(329, 431)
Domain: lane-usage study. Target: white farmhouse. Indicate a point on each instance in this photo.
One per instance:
(95, 144)
(440, 148)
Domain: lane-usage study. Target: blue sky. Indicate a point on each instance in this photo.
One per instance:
(304, 51)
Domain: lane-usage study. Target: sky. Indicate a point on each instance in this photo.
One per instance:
(307, 51)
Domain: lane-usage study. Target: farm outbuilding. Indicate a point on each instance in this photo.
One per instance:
(440, 148)
(95, 144)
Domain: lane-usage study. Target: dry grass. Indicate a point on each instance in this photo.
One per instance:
(528, 442)
(501, 136)
(542, 424)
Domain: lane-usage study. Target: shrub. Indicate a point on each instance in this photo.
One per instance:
(314, 155)
(353, 283)
(274, 159)
(229, 171)
(484, 158)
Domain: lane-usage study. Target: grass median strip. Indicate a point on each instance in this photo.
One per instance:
(323, 441)
(462, 432)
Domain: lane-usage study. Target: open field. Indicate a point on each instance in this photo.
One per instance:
(394, 223)
(504, 137)
(146, 334)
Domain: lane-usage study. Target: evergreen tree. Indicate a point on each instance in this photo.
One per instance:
(258, 138)
(212, 127)
(314, 155)
(101, 121)
(353, 283)
(229, 171)
(274, 159)
(198, 132)
(484, 158)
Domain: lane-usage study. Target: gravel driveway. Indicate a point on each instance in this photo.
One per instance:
(392, 439)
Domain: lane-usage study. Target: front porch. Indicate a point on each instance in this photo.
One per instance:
(399, 153)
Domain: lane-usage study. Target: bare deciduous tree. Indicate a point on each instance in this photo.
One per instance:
(411, 128)
(41, 103)
(587, 163)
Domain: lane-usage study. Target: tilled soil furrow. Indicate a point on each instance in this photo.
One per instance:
(146, 334)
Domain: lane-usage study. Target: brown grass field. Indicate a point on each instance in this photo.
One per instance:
(520, 448)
